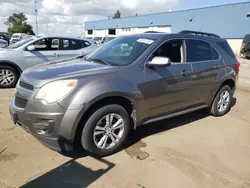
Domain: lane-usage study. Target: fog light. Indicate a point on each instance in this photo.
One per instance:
(43, 127)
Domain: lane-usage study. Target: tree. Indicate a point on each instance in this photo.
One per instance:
(17, 24)
(117, 14)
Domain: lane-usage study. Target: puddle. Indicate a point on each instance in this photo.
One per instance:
(8, 156)
(135, 151)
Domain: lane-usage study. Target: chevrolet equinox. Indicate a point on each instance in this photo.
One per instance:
(95, 100)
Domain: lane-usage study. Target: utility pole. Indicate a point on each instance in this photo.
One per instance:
(36, 17)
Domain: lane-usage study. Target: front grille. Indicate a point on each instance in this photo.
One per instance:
(26, 86)
(20, 102)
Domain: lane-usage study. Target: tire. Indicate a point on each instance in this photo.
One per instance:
(90, 142)
(8, 77)
(216, 109)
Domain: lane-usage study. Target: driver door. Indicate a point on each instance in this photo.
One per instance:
(46, 49)
(167, 89)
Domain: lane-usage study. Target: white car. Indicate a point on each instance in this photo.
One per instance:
(18, 37)
(33, 51)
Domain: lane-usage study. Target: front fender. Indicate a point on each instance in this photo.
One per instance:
(88, 94)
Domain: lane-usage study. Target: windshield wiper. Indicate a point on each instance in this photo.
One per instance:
(99, 61)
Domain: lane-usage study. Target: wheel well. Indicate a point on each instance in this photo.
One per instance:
(12, 65)
(229, 83)
(124, 102)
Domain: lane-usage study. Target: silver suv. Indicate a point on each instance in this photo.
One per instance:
(32, 51)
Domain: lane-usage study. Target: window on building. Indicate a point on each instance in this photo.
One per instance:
(199, 51)
(173, 50)
(90, 32)
(112, 31)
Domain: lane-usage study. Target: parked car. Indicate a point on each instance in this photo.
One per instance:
(245, 48)
(102, 40)
(18, 37)
(3, 43)
(5, 36)
(32, 51)
(95, 101)
(107, 39)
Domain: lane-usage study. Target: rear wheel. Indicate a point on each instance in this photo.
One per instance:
(8, 77)
(106, 130)
(222, 102)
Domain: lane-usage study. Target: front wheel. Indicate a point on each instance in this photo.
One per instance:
(106, 130)
(222, 102)
(8, 77)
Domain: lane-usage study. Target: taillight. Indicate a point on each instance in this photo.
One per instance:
(238, 66)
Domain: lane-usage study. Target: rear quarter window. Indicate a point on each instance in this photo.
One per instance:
(226, 48)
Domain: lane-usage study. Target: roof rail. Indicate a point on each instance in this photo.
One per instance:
(153, 32)
(199, 33)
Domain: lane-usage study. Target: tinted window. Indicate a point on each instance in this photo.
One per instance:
(215, 54)
(47, 44)
(198, 51)
(71, 44)
(85, 44)
(226, 48)
(172, 50)
(246, 39)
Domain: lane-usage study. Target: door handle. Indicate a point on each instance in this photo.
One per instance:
(217, 67)
(185, 73)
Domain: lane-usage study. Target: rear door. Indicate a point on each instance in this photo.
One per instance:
(206, 64)
(71, 48)
(46, 50)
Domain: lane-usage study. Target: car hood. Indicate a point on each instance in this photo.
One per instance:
(42, 74)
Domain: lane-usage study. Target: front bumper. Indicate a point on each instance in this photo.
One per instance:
(43, 125)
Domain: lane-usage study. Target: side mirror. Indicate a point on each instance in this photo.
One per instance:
(159, 62)
(31, 48)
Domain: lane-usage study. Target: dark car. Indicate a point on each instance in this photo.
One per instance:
(5, 36)
(97, 100)
(245, 48)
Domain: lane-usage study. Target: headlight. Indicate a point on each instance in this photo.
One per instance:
(56, 90)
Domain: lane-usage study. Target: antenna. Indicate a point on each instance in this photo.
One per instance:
(36, 17)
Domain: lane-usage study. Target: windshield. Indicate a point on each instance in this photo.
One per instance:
(16, 36)
(121, 51)
(97, 38)
(20, 43)
(109, 38)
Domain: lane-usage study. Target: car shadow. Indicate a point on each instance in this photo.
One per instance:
(70, 174)
(161, 126)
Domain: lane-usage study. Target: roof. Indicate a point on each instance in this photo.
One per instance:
(54, 36)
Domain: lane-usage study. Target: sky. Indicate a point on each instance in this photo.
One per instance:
(67, 17)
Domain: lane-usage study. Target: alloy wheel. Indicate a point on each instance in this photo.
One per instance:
(224, 101)
(7, 77)
(108, 131)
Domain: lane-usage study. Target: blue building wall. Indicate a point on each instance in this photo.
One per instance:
(228, 21)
